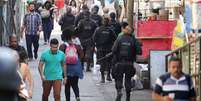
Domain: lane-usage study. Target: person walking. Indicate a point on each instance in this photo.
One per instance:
(46, 13)
(23, 70)
(67, 23)
(32, 25)
(124, 53)
(80, 16)
(94, 15)
(74, 8)
(104, 38)
(174, 85)
(114, 24)
(26, 78)
(85, 31)
(51, 67)
(13, 44)
(75, 69)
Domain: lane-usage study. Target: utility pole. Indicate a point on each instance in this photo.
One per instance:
(130, 6)
(137, 16)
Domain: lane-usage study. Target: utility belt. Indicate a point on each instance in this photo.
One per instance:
(130, 63)
(85, 42)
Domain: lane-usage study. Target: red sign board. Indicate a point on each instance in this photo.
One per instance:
(155, 35)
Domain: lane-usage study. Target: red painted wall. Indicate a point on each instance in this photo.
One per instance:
(155, 35)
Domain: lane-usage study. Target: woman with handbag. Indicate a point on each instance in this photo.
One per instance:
(46, 13)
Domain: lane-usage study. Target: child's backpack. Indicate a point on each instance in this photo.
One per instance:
(71, 54)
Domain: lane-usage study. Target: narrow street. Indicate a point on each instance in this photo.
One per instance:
(161, 37)
(90, 89)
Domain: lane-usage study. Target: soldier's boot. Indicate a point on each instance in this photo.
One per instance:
(102, 77)
(128, 96)
(109, 76)
(88, 69)
(119, 95)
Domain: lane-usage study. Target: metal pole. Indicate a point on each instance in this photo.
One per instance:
(1, 22)
(130, 5)
(137, 20)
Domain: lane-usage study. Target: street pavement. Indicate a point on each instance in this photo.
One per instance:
(90, 88)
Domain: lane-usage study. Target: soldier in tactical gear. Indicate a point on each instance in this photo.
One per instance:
(9, 77)
(114, 24)
(124, 52)
(85, 30)
(104, 38)
(80, 16)
(94, 15)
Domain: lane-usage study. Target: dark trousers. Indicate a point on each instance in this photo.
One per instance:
(127, 83)
(88, 54)
(118, 73)
(47, 86)
(72, 82)
(106, 63)
(47, 28)
(32, 40)
(46, 35)
(46, 32)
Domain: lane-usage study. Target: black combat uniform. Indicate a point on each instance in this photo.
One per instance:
(67, 25)
(124, 52)
(85, 30)
(104, 38)
(116, 26)
(97, 18)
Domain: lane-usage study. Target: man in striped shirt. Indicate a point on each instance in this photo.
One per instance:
(32, 24)
(175, 85)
